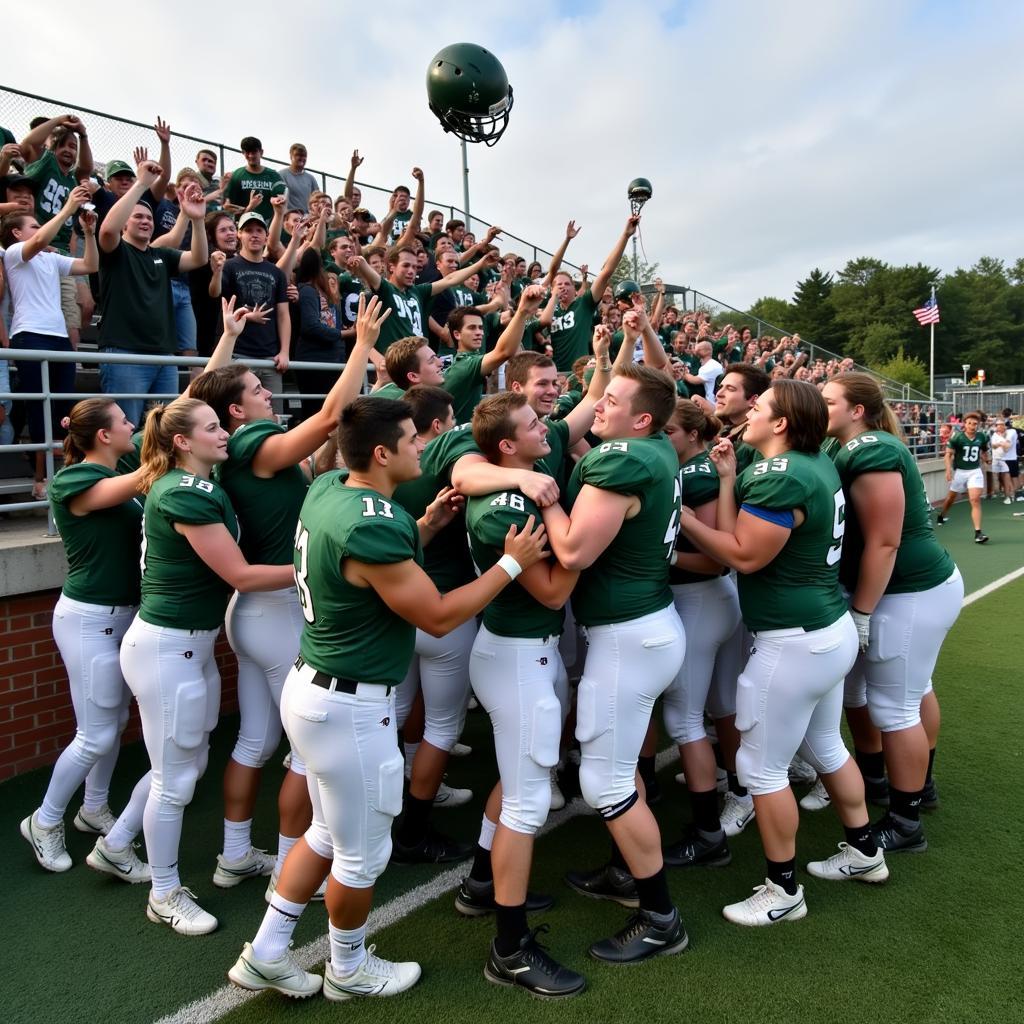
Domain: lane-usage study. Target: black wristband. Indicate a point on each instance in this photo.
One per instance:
(858, 611)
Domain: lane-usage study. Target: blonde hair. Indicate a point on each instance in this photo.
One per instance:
(162, 424)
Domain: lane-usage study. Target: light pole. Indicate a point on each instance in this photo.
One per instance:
(465, 184)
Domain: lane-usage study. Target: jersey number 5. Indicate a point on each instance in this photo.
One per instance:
(838, 529)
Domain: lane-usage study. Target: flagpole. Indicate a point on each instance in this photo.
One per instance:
(931, 358)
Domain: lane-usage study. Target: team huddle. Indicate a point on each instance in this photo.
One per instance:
(758, 570)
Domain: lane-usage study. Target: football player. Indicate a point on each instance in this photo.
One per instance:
(966, 452)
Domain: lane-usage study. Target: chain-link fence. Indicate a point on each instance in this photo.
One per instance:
(988, 400)
(115, 138)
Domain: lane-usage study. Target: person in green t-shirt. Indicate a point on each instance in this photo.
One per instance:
(363, 593)
(253, 179)
(519, 679)
(265, 477)
(966, 452)
(191, 562)
(781, 527)
(905, 594)
(621, 532)
(573, 318)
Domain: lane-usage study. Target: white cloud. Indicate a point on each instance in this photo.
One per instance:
(778, 136)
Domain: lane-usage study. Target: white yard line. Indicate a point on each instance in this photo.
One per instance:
(993, 586)
(227, 998)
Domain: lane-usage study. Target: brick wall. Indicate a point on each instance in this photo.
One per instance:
(36, 717)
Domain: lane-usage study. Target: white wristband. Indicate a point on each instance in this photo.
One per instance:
(510, 565)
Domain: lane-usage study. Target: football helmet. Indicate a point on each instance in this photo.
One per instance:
(624, 292)
(468, 91)
(639, 191)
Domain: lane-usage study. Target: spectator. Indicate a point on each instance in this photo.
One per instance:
(456, 231)
(34, 277)
(17, 194)
(135, 291)
(253, 180)
(402, 198)
(300, 183)
(708, 372)
(258, 282)
(206, 165)
(319, 335)
(222, 242)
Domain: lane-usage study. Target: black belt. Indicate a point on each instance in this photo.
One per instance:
(335, 683)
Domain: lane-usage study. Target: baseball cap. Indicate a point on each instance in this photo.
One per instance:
(248, 218)
(119, 167)
(15, 180)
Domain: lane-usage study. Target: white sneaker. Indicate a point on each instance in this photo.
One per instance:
(284, 975)
(47, 843)
(817, 799)
(850, 863)
(801, 773)
(255, 864)
(1007, 501)
(272, 888)
(461, 750)
(472, 704)
(770, 904)
(96, 823)
(287, 763)
(179, 910)
(737, 813)
(123, 864)
(448, 796)
(721, 780)
(374, 977)
(557, 796)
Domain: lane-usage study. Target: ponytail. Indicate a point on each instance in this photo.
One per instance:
(690, 416)
(862, 389)
(162, 424)
(87, 419)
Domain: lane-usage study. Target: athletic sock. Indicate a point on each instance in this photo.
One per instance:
(719, 756)
(783, 874)
(165, 880)
(616, 859)
(481, 869)
(905, 807)
(704, 808)
(348, 949)
(284, 844)
(646, 768)
(654, 895)
(119, 837)
(931, 764)
(237, 839)
(410, 756)
(871, 765)
(734, 784)
(511, 928)
(276, 928)
(861, 839)
(415, 820)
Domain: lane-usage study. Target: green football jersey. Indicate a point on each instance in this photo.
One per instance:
(557, 463)
(52, 188)
(400, 223)
(571, 331)
(244, 182)
(267, 509)
(464, 381)
(514, 612)
(745, 453)
(630, 577)
(446, 558)
(967, 450)
(102, 548)
(350, 632)
(800, 586)
(565, 404)
(130, 461)
(179, 589)
(390, 390)
(698, 480)
(409, 310)
(921, 562)
(831, 447)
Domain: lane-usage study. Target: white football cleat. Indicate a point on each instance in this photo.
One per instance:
(96, 823)
(448, 796)
(272, 888)
(817, 799)
(123, 864)
(374, 977)
(461, 750)
(849, 864)
(47, 843)
(737, 813)
(284, 975)
(179, 910)
(255, 864)
(800, 772)
(770, 904)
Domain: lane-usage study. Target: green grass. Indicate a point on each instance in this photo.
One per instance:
(938, 943)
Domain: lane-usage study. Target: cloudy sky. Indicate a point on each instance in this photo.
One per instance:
(778, 136)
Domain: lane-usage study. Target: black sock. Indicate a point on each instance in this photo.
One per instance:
(653, 893)
(734, 784)
(719, 756)
(931, 764)
(415, 820)
(704, 808)
(905, 806)
(783, 874)
(512, 928)
(861, 839)
(872, 766)
(481, 869)
(646, 766)
(617, 860)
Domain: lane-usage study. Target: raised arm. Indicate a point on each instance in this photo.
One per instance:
(48, 231)
(512, 337)
(351, 179)
(413, 225)
(194, 207)
(358, 266)
(571, 231)
(597, 516)
(115, 220)
(33, 144)
(581, 418)
(163, 133)
(463, 273)
(605, 274)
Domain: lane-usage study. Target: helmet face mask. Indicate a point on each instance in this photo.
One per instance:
(469, 93)
(624, 292)
(638, 192)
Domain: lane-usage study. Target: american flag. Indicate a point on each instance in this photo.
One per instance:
(929, 312)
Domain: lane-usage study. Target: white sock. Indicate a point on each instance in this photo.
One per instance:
(410, 756)
(487, 830)
(165, 880)
(348, 949)
(129, 824)
(48, 817)
(276, 929)
(284, 844)
(119, 837)
(237, 839)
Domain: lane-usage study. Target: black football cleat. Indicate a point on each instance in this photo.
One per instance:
(605, 883)
(642, 939)
(433, 848)
(532, 969)
(693, 850)
(475, 899)
(893, 838)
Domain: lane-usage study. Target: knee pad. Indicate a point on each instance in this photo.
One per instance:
(188, 719)
(318, 839)
(367, 873)
(176, 788)
(760, 780)
(203, 759)
(609, 797)
(612, 811)
(99, 741)
(887, 716)
(825, 762)
(253, 752)
(444, 733)
(527, 809)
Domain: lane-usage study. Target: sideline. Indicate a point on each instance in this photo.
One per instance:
(228, 998)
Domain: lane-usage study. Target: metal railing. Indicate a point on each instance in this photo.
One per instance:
(988, 399)
(114, 138)
(49, 444)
